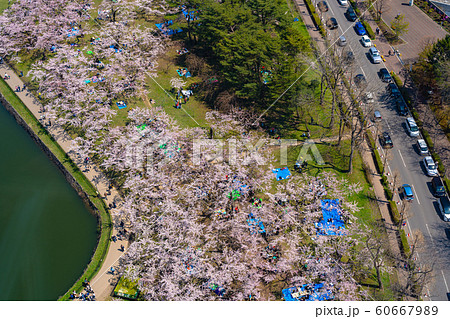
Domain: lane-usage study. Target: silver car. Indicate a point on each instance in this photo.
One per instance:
(375, 55)
(430, 166)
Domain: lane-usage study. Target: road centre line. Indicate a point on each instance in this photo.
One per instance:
(414, 189)
(445, 281)
(429, 233)
(402, 158)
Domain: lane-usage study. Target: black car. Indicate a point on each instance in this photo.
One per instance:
(438, 187)
(360, 80)
(386, 141)
(401, 107)
(351, 15)
(385, 76)
(323, 6)
(393, 89)
(332, 23)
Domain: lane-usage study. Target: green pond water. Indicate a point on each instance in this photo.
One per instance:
(47, 235)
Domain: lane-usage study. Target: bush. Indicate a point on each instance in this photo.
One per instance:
(369, 30)
(316, 18)
(405, 246)
(395, 215)
(447, 184)
(397, 80)
(427, 138)
(387, 191)
(378, 161)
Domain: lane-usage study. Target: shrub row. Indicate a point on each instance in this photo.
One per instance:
(366, 25)
(404, 241)
(316, 18)
(394, 212)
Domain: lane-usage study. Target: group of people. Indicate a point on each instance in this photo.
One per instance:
(19, 89)
(86, 295)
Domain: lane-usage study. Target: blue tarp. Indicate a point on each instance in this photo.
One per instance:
(112, 46)
(73, 32)
(190, 14)
(186, 74)
(255, 224)
(219, 290)
(332, 223)
(281, 173)
(164, 28)
(317, 292)
(121, 106)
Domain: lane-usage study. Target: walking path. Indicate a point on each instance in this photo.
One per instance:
(421, 31)
(103, 282)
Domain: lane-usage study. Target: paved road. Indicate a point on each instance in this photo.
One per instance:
(424, 219)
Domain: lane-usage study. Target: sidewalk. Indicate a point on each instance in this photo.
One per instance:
(102, 282)
(422, 30)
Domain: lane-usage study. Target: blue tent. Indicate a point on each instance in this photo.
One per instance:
(281, 173)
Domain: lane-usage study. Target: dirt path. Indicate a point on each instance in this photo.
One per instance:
(103, 282)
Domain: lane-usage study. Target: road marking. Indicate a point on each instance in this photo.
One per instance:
(363, 72)
(402, 158)
(445, 281)
(429, 233)
(418, 201)
(387, 124)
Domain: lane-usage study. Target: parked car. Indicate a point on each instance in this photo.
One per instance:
(350, 14)
(411, 127)
(366, 42)
(395, 92)
(332, 23)
(430, 166)
(386, 141)
(407, 192)
(444, 208)
(323, 6)
(377, 116)
(374, 55)
(359, 28)
(422, 147)
(438, 187)
(360, 80)
(343, 2)
(401, 106)
(342, 41)
(385, 76)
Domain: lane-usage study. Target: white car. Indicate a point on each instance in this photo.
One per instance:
(343, 2)
(375, 55)
(366, 42)
(430, 166)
